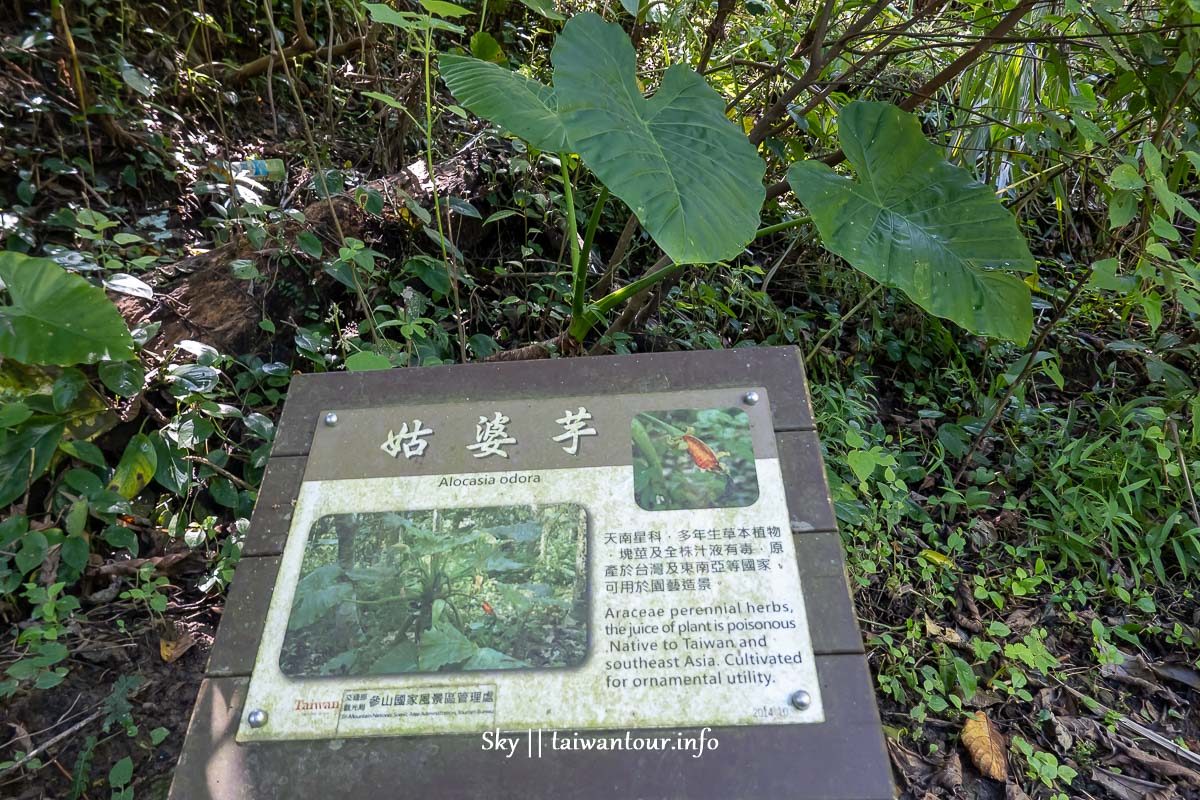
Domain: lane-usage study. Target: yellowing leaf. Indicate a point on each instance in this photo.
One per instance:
(171, 648)
(934, 557)
(136, 468)
(985, 745)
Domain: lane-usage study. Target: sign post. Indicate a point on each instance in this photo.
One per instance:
(601, 577)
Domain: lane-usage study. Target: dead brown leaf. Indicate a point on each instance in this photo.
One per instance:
(1157, 766)
(23, 737)
(1022, 619)
(969, 617)
(174, 642)
(49, 573)
(942, 633)
(949, 777)
(1014, 792)
(1179, 673)
(162, 564)
(914, 770)
(986, 746)
(1125, 787)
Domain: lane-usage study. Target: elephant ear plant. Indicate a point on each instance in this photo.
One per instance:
(917, 223)
(912, 221)
(690, 175)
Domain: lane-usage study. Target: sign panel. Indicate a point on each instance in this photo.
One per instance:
(573, 563)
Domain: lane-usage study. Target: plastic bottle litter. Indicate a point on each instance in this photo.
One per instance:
(269, 169)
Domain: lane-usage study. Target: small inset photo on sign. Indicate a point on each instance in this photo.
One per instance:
(693, 459)
(447, 590)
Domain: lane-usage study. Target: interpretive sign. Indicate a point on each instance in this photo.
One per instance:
(579, 562)
(568, 550)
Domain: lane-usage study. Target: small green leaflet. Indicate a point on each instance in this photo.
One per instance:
(386, 99)
(444, 9)
(361, 362)
(545, 8)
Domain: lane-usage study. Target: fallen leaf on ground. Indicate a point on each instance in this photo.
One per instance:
(173, 645)
(1014, 792)
(23, 736)
(941, 632)
(1126, 787)
(1175, 672)
(950, 776)
(985, 745)
(1158, 766)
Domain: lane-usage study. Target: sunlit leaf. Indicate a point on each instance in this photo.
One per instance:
(444, 9)
(689, 174)
(55, 317)
(366, 360)
(128, 284)
(136, 467)
(485, 47)
(519, 105)
(917, 223)
(387, 100)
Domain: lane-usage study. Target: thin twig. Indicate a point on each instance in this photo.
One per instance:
(35, 752)
(1025, 372)
(838, 325)
(1183, 466)
(224, 473)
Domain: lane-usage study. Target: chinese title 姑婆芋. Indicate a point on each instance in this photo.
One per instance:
(410, 442)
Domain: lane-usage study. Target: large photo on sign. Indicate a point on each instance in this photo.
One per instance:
(443, 590)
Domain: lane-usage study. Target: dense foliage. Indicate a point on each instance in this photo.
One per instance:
(978, 221)
(487, 588)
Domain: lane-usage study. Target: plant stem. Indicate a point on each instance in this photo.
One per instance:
(637, 287)
(838, 325)
(585, 254)
(582, 323)
(451, 266)
(671, 429)
(782, 226)
(578, 272)
(359, 292)
(1183, 467)
(1026, 371)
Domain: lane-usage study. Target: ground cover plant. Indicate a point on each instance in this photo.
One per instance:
(976, 220)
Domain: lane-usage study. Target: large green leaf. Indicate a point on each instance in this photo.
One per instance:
(56, 317)
(690, 175)
(919, 224)
(519, 105)
(24, 456)
(316, 595)
(444, 644)
(400, 659)
(487, 658)
(520, 532)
